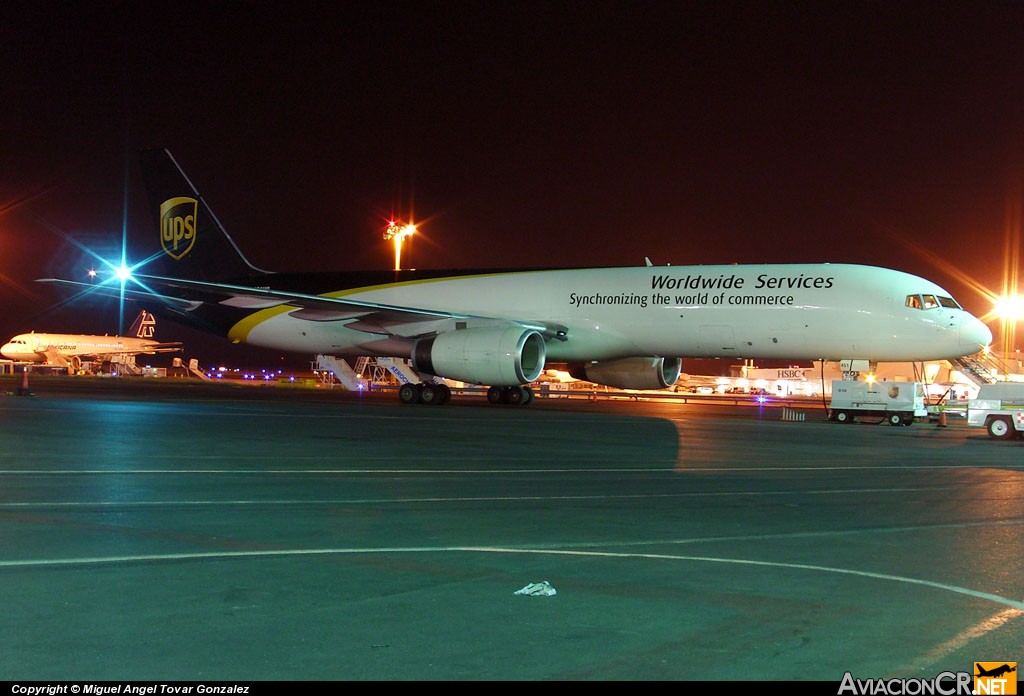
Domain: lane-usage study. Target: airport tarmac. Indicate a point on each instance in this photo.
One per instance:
(171, 532)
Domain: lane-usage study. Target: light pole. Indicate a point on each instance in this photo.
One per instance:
(397, 234)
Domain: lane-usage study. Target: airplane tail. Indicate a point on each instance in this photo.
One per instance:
(144, 326)
(189, 241)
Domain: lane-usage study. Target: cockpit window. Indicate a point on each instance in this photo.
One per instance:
(931, 302)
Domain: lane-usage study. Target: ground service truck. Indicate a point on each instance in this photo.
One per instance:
(896, 402)
(999, 408)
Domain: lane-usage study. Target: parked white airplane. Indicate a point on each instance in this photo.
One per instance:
(623, 327)
(71, 349)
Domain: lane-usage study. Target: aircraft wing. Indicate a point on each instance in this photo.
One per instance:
(371, 317)
(148, 350)
(116, 292)
(319, 308)
(171, 347)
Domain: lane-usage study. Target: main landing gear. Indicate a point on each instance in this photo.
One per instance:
(430, 393)
(424, 393)
(515, 396)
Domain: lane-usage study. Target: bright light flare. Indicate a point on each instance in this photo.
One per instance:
(397, 234)
(1009, 307)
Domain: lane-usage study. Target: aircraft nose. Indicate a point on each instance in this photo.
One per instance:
(974, 335)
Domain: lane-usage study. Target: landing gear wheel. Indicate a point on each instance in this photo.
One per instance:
(445, 393)
(409, 393)
(514, 395)
(430, 394)
(1001, 429)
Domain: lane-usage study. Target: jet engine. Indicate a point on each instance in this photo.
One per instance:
(504, 356)
(631, 373)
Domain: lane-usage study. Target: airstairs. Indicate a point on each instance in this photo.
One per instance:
(402, 371)
(332, 368)
(981, 368)
(125, 365)
(367, 369)
(179, 368)
(195, 371)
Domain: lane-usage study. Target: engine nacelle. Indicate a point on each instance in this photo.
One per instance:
(500, 357)
(631, 373)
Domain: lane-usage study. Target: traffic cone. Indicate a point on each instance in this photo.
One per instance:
(23, 389)
(942, 419)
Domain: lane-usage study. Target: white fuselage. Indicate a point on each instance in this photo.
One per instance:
(59, 349)
(795, 311)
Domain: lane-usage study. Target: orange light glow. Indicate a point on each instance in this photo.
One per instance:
(1009, 307)
(1006, 304)
(397, 233)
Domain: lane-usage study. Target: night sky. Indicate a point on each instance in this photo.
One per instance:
(517, 135)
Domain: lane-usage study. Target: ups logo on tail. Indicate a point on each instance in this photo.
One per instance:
(178, 226)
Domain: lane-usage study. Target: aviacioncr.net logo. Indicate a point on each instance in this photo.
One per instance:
(995, 678)
(943, 684)
(178, 226)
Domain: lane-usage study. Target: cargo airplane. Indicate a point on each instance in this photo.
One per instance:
(63, 350)
(623, 327)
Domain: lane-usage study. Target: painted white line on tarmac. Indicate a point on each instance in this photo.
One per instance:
(964, 638)
(975, 594)
(458, 499)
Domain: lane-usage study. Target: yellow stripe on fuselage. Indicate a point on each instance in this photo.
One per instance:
(239, 333)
